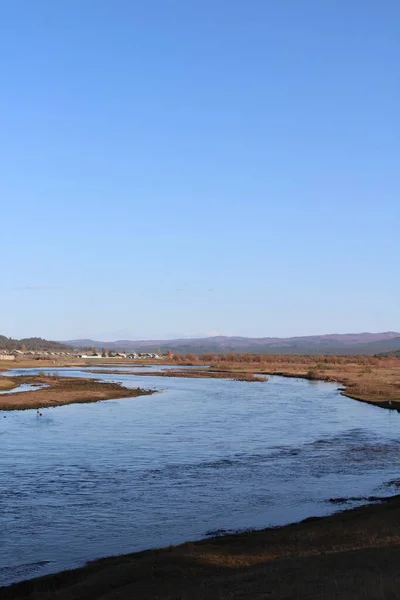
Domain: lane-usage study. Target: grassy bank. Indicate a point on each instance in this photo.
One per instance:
(6, 384)
(63, 390)
(350, 555)
(371, 379)
(192, 373)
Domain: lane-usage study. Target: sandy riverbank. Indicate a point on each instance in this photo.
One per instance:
(350, 555)
(63, 390)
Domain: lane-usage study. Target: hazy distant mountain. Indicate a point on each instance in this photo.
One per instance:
(349, 343)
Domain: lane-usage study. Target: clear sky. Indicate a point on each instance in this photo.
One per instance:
(174, 167)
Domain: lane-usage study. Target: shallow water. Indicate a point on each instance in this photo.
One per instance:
(91, 480)
(24, 387)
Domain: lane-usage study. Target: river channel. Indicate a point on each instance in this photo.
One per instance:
(200, 457)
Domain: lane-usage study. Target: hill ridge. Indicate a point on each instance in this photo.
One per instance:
(32, 343)
(332, 343)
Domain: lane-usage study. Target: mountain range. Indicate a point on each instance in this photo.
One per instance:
(349, 343)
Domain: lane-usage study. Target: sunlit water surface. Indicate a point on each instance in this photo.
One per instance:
(90, 480)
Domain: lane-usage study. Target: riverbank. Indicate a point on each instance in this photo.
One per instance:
(62, 390)
(375, 380)
(350, 555)
(192, 373)
(372, 380)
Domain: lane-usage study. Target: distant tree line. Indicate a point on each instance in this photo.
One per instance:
(34, 343)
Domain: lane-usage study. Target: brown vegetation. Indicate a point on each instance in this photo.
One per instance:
(367, 378)
(352, 555)
(6, 384)
(63, 390)
(193, 373)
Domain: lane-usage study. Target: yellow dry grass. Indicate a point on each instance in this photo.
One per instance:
(6, 384)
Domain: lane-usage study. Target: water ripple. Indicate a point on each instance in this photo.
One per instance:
(204, 456)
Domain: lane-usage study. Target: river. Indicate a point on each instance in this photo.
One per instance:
(201, 456)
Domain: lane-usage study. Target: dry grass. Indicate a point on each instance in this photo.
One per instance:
(366, 378)
(193, 373)
(350, 555)
(370, 379)
(6, 384)
(62, 390)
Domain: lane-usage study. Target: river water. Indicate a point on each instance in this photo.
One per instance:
(201, 456)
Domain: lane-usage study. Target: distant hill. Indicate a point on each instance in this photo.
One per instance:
(34, 343)
(350, 343)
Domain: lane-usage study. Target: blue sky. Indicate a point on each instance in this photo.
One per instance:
(171, 168)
